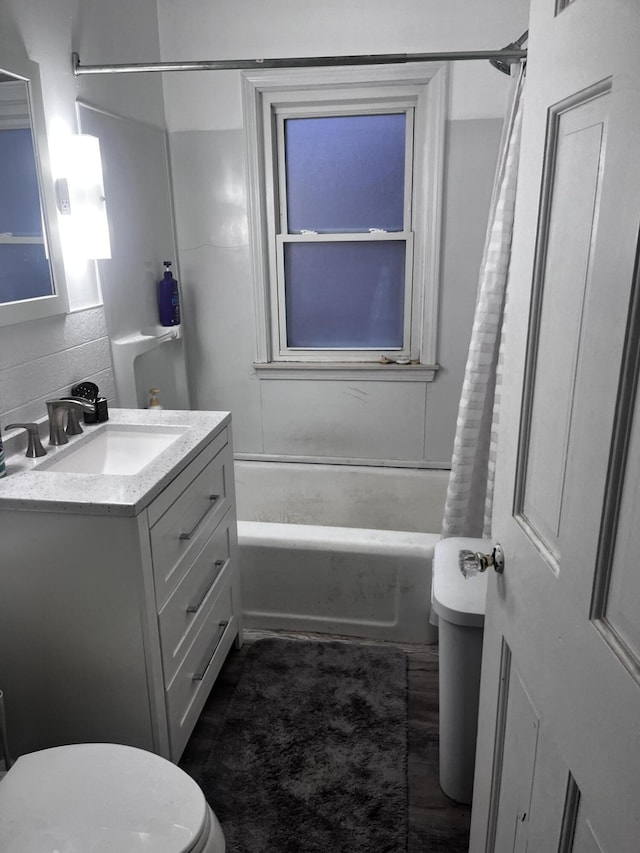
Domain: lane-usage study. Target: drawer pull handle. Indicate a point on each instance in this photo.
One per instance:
(193, 608)
(202, 671)
(214, 499)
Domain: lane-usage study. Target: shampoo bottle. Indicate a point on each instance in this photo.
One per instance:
(168, 298)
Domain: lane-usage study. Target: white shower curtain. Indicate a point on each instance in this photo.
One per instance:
(469, 504)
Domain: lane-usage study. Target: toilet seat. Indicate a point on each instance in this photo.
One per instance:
(103, 798)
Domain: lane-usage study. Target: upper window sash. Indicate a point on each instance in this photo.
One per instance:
(372, 107)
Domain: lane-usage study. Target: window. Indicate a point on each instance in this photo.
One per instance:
(345, 176)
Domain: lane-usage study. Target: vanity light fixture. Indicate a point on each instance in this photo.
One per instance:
(80, 196)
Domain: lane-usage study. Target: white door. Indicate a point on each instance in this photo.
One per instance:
(558, 755)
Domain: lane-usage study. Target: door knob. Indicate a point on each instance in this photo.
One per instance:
(471, 563)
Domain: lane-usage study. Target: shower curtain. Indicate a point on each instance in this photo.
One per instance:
(469, 504)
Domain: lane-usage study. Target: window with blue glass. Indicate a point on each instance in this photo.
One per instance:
(343, 232)
(345, 173)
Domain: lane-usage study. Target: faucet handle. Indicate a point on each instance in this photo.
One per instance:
(34, 446)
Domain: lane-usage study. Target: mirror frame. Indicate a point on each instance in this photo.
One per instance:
(17, 64)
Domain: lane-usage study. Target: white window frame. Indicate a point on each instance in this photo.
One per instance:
(271, 96)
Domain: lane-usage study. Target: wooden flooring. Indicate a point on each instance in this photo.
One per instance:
(436, 823)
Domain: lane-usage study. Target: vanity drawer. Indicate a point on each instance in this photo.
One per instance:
(186, 609)
(185, 526)
(176, 487)
(188, 691)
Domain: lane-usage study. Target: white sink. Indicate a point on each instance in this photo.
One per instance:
(122, 449)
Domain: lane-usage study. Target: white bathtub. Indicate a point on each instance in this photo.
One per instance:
(338, 549)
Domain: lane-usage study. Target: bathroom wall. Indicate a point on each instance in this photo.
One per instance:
(409, 423)
(43, 358)
(136, 182)
(402, 423)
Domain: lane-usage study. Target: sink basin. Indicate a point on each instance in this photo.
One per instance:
(122, 449)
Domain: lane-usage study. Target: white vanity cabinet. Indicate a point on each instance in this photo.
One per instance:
(114, 626)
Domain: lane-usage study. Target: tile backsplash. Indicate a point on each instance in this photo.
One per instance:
(42, 359)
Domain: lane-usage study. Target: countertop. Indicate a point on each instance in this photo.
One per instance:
(26, 488)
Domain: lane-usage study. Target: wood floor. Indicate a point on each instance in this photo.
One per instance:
(436, 823)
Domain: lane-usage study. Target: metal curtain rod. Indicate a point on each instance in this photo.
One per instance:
(512, 52)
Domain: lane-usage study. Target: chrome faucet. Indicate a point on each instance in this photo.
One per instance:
(73, 423)
(63, 418)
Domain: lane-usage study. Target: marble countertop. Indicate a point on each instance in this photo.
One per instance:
(26, 487)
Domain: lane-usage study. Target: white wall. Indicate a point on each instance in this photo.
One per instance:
(43, 358)
(405, 422)
(252, 29)
(136, 182)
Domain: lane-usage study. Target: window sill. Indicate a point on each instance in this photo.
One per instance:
(349, 371)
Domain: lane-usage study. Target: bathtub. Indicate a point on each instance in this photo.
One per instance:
(338, 549)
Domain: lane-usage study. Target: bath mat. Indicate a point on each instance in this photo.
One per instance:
(312, 753)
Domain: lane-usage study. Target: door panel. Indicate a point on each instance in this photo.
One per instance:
(518, 758)
(573, 170)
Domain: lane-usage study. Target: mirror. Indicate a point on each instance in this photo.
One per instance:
(32, 281)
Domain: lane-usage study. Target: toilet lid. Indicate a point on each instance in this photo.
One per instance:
(99, 798)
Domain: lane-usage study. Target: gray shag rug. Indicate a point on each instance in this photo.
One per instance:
(312, 753)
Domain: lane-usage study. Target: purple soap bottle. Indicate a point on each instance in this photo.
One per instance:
(168, 298)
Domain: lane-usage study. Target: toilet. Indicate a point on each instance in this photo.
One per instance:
(103, 798)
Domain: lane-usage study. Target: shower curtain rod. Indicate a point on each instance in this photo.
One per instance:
(513, 52)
